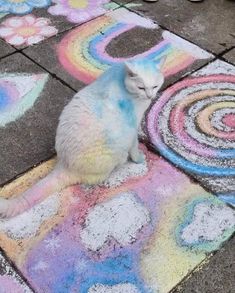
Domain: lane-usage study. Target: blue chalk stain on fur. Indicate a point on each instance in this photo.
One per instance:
(111, 85)
(150, 65)
(127, 109)
(112, 79)
(114, 74)
(97, 109)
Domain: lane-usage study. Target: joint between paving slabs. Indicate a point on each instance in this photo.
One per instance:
(224, 60)
(53, 75)
(8, 55)
(221, 55)
(149, 147)
(182, 37)
(116, 1)
(27, 170)
(20, 50)
(200, 266)
(153, 149)
(15, 268)
(146, 142)
(185, 75)
(190, 274)
(143, 140)
(123, 4)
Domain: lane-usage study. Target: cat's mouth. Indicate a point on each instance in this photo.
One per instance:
(150, 97)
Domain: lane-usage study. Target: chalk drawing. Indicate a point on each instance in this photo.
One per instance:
(192, 124)
(229, 198)
(9, 284)
(18, 93)
(9, 280)
(127, 171)
(107, 221)
(40, 266)
(207, 222)
(19, 227)
(22, 6)
(78, 11)
(82, 52)
(127, 288)
(147, 221)
(129, 235)
(29, 30)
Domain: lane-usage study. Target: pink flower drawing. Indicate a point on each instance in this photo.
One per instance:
(78, 11)
(27, 30)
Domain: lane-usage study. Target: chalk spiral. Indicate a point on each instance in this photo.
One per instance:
(193, 125)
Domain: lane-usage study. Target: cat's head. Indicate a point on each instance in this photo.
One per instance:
(144, 77)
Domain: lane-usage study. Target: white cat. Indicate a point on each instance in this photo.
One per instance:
(97, 131)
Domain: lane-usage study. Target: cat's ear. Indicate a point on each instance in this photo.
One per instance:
(130, 69)
(160, 62)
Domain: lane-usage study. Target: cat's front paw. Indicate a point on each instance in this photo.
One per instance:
(139, 158)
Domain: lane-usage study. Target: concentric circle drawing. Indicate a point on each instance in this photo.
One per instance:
(193, 125)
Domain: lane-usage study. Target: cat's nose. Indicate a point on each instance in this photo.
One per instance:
(149, 94)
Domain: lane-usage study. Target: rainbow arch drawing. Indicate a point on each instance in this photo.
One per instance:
(82, 52)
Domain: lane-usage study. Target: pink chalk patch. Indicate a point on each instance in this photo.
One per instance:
(229, 120)
(8, 284)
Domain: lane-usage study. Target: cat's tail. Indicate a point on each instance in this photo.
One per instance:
(55, 181)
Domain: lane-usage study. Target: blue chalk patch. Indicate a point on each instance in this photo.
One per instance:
(4, 99)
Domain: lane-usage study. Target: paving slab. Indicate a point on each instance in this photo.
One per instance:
(209, 24)
(5, 49)
(56, 19)
(215, 276)
(31, 101)
(230, 56)
(86, 51)
(192, 125)
(143, 230)
(10, 281)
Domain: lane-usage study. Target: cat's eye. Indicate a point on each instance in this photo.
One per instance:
(141, 88)
(131, 74)
(156, 86)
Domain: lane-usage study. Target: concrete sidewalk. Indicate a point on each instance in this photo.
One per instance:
(162, 226)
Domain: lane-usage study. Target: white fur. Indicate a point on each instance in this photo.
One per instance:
(143, 84)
